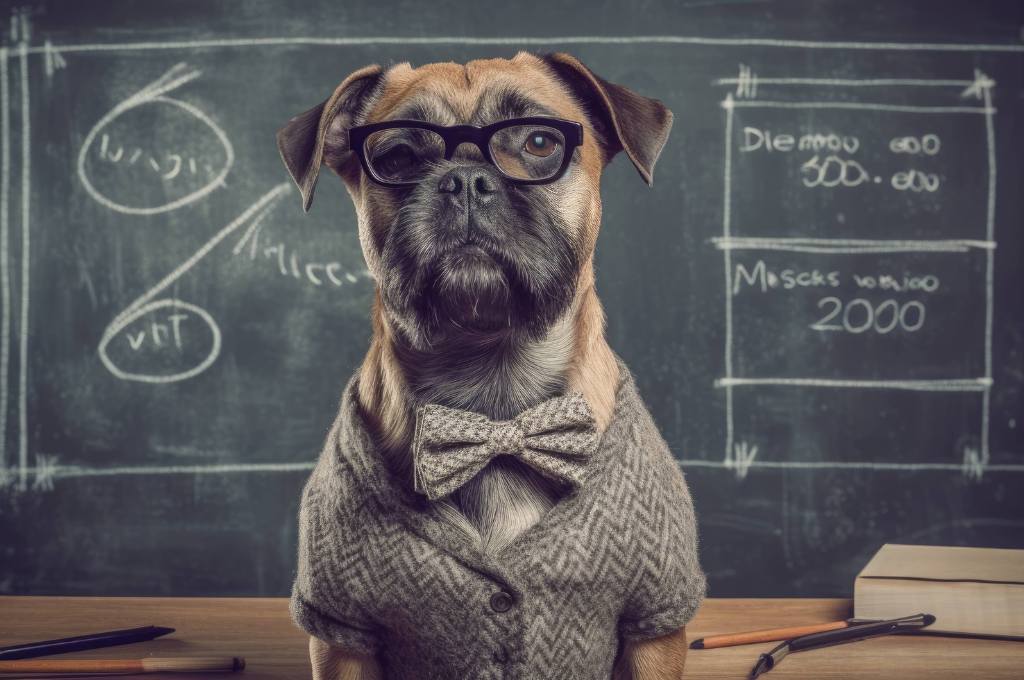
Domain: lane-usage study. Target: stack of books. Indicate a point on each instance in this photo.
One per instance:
(970, 591)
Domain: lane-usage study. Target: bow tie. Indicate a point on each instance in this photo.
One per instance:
(556, 437)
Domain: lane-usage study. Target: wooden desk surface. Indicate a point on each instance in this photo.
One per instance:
(261, 631)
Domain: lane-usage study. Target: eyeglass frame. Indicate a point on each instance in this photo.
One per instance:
(454, 136)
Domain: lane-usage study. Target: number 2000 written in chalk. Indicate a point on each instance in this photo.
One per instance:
(861, 316)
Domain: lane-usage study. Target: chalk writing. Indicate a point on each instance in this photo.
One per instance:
(897, 157)
(762, 278)
(287, 261)
(859, 315)
(165, 333)
(146, 115)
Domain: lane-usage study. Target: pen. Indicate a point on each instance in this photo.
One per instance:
(768, 661)
(82, 642)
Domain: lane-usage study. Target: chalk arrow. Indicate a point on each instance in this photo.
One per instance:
(52, 59)
(977, 88)
(746, 83)
(741, 458)
(46, 469)
(974, 463)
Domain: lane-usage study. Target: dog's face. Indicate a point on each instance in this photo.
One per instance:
(467, 249)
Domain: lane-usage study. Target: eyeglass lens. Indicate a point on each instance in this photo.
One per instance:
(406, 154)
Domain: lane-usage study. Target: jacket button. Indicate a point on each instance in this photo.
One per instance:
(501, 654)
(501, 601)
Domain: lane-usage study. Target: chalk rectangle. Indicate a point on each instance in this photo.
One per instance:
(821, 169)
(812, 424)
(863, 316)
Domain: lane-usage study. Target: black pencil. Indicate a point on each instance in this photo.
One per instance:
(81, 642)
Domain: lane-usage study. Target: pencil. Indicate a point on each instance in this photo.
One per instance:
(733, 639)
(194, 664)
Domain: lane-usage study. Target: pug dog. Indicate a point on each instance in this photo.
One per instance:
(479, 229)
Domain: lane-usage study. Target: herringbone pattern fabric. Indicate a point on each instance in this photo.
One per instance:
(555, 437)
(381, 571)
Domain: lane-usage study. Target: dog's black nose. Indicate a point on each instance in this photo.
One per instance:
(475, 180)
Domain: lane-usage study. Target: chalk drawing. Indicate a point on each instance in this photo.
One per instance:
(974, 463)
(5, 274)
(979, 88)
(49, 469)
(727, 256)
(26, 259)
(54, 471)
(145, 303)
(746, 83)
(176, 305)
(251, 232)
(21, 30)
(950, 385)
(851, 246)
(984, 85)
(52, 59)
(866, 465)
(550, 40)
(858, 106)
(154, 93)
(290, 264)
(740, 456)
(44, 471)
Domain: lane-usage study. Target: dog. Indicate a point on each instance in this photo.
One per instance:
(485, 294)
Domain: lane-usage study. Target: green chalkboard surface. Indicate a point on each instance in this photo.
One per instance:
(819, 296)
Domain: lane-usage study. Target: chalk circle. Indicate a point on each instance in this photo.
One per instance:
(128, 316)
(133, 103)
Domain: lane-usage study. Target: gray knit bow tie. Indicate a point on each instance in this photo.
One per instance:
(556, 437)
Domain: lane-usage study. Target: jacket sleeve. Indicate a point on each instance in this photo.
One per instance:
(323, 603)
(668, 585)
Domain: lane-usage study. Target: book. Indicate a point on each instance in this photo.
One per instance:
(970, 591)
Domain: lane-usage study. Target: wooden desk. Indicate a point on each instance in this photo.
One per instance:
(261, 631)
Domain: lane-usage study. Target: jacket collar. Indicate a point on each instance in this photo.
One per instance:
(356, 450)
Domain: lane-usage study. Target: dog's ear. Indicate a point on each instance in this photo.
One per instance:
(625, 120)
(320, 135)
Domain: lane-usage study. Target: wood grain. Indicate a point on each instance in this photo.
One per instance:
(150, 664)
(260, 630)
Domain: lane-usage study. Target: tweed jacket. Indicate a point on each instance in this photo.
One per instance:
(381, 572)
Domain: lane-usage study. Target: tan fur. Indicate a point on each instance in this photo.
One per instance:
(592, 370)
(329, 663)
(661, 658)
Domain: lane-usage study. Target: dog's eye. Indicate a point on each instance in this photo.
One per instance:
(395, 160)
(540, 143)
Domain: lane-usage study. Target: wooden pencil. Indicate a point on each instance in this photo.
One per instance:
(768, 635)
(192, 664)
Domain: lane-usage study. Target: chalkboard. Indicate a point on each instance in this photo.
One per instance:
(819, 296)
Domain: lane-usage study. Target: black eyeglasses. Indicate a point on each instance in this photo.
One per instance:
(531, 150)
